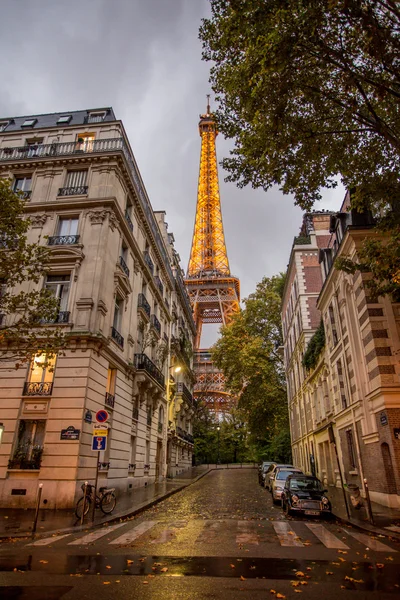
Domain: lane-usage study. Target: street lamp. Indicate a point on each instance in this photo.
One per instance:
(218, 428)
(1, 431)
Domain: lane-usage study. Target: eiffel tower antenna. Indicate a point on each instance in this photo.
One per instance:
(214, 293)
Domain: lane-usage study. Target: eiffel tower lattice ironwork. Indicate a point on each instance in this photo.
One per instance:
(214, 293)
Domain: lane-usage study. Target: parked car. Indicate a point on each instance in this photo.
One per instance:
(279, 480)
(262, 469)
(271, 472)
(305, 494)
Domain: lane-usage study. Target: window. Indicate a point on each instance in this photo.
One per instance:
(335, 338)
(41, 369)
(85, 141)
(342, 389)
(4, 125)
(29, 447)
(29, 123)
(111, 379)
(59, 287)
(64, 119)
(147, 453)
(350, 448)
(76, 179)
(133, 450)
(96, 117)
(117, 313)
(68, 226)
(23, 184)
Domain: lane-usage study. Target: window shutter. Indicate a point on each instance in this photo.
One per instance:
(76, 179)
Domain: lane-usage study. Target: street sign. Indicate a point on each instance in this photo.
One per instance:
(101, 431)
(70, 433)
(99, 442)
(102, 416)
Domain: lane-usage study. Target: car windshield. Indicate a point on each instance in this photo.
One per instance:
(313, 485)
(283, 474)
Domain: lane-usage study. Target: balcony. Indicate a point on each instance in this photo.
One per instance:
(37, 388)
(80, 190)
(131, 467)
(184, 435)
(103, 466)
(158, 283)
(183, 390)
(123, 266)
(144, 305)
(135, 414)
(128, 220)
(117, 337)
(160, 427)
(24, 195)
(61, 317)
(156, 324)
(63, 240)
(143, 363)
(32, 463)
(148, 261)
(109, 400)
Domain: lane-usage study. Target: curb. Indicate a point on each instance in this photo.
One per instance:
(130, 513)
(368, 528)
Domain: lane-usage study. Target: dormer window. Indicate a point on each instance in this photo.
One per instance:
(29, 123)
(96, 117)
(4, 125)
(65, 119)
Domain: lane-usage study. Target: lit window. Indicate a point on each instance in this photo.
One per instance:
(4, 125)
(42, 369)
(29, 123)
(64, 119)
(85, 142)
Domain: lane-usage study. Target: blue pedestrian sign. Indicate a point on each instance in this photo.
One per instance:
(102, 416)
(99, 442)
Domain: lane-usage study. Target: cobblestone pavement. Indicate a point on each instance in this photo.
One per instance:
(220, 538)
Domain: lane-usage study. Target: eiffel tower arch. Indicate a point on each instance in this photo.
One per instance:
(214, 293)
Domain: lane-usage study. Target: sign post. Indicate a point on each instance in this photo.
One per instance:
(99, 443)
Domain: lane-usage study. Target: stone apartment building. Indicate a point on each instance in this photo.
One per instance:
(351, 395)
(124, 309)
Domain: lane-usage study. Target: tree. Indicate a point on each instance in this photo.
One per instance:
(309, 91)
(24, 310)
(249, 357)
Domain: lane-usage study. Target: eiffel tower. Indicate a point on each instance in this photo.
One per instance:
(214, 293)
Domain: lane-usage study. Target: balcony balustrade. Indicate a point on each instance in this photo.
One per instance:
(148, 261)
(79, 190)
(129, 220)
(131, 466)
(184, 435)
(124, 266)
(155, 323)
(117, 337)
(109, 400)
(63, 240)
(37, 388)
(103, 466)
(143, 363)
(158, 283)
(144, 305)
(61, 317)
(24, 195)
(25, 463)
(182, 389)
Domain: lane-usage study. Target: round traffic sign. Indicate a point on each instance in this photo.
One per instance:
(102, 416)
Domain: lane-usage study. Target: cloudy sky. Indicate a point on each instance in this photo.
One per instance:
(143, 58)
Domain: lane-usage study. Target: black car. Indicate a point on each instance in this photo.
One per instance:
(305, 494)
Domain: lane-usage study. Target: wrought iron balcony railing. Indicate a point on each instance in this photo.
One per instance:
(37, 388)
(24, 195)
(109, 400)
(103, 466)
(182, 389)
(61, 317)
(155, 323)
(79, 190)
(158, 283)
(184, 435)
(160, 427)
(143, 304)
(129, 220)
(143, 363)
(148, 261)
(117, 337)
(135, 414)
(25, 463)
(96, 147)
(124, 266)
(63, 240)
(131, 466)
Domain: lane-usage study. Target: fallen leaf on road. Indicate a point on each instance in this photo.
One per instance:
(106, 582)
(298, 591)
(335, 563)
(329, 572)
(129, 562)
(353, 580)
(295, 583)
(342, 559)
(44, 562)
(164, 569)
(145, 582)
(299, 574)
(272, 591)
(380, 565)
(342, 552)
(117, 581)
(308, 569)
(280, 596)
(232, 566)
(242, 578)
(108, 567)
(389, 558)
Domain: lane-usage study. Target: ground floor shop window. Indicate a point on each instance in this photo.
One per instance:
(29, 447)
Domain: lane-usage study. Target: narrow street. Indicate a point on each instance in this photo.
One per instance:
(220, 538)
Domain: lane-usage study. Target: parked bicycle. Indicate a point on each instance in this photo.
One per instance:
(105, 500)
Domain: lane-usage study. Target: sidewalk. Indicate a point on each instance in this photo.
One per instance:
(18, 522)
(384, 517)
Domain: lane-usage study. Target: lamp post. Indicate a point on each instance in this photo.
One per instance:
(218, 428)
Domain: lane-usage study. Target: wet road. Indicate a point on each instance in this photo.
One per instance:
(221, 538)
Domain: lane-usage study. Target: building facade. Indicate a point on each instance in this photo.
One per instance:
(116, 274)
(351, 393)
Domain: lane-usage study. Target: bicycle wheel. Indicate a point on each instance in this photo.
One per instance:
(108, 502)
(79, 507)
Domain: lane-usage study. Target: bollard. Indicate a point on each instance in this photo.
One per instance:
(84, 502)
(370, 515)
(39, 495)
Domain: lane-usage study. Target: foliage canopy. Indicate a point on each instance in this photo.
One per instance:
(314, 348)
